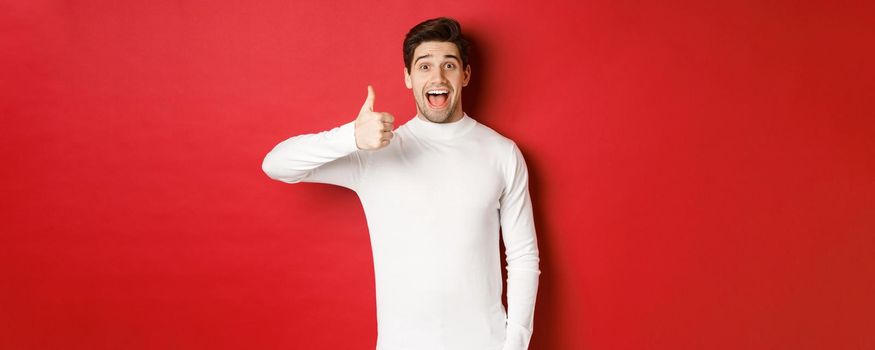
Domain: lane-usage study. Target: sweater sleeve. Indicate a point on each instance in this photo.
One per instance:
(520, 241)
(330, 157)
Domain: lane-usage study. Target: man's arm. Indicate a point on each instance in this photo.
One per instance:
(521, 244)
(331, 156)
(327, 157)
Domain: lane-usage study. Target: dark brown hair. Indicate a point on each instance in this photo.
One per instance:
(435, 29)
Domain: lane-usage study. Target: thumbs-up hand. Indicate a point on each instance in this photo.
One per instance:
(373, 130)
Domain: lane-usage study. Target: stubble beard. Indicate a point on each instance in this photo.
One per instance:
(436, 116)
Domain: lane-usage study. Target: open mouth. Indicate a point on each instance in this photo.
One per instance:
(437, 98)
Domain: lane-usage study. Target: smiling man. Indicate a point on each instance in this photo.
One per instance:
(438, 193)
(437, 78)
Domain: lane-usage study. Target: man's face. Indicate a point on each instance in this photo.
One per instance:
(436, 77)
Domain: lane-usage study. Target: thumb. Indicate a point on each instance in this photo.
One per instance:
(369, 102)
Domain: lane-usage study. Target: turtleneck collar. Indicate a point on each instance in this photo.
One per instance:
(442, 131)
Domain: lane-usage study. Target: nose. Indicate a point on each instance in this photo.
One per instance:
(437, 77)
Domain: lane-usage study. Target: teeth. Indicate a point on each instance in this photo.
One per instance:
(437, 92)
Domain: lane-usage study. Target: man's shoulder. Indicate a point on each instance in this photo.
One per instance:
(488, 135)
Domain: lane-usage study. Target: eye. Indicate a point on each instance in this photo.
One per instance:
(450, 66)
(423, 67)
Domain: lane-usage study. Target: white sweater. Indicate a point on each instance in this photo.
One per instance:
(434, 200)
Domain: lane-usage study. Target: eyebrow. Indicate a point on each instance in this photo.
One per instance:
(430, 55)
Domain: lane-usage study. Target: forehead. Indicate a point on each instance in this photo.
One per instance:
(437, 49)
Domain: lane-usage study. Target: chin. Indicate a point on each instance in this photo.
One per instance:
(435, 116)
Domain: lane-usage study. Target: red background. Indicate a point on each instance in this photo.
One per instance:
(703, 173)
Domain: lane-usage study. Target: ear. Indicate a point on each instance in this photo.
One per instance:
(407, 81)
(467, 75)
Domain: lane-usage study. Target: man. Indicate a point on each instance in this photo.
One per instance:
(435, 192)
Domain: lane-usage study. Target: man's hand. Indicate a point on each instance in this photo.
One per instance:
(373, 130)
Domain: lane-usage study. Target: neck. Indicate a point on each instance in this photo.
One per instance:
(423, 127)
